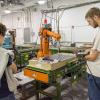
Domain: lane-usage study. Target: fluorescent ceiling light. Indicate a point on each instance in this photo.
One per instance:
(41, 2)
(1, 1)
(7, 11)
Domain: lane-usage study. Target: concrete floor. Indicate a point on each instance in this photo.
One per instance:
(70, 92)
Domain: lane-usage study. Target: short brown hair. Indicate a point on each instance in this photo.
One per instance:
(3, 29)
(93, 11)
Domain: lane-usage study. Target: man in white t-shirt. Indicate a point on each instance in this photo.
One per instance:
(93, 59)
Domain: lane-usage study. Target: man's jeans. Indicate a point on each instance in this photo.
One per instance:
(93, 87)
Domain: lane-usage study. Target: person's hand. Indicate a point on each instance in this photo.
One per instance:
(13, 67)
(87, 51)
(92, 56)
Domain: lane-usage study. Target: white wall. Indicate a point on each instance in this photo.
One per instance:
(72, 17)
(76, 17)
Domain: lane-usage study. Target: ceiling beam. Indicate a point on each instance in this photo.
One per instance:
(70, 7)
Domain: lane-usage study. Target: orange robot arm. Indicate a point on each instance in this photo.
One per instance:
(44, 45)
(56, 36)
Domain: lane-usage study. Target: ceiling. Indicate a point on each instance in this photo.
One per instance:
(10, 3)
(20, 4)
(14, 3)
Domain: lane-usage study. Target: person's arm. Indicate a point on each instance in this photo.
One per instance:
(87, 51)
(92, 56)
(12, 64)
(13, 67)
(95, 50)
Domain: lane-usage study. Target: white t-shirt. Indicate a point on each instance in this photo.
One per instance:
(95, 65)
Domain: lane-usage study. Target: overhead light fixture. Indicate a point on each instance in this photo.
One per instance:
(1, 1)
(7, 11)
(41, 2)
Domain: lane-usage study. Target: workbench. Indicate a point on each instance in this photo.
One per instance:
(52, 75)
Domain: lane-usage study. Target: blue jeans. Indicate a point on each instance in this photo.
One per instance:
(93, 87)
(9, 97)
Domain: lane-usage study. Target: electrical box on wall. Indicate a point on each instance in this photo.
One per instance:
(23, 35)
(27, 35)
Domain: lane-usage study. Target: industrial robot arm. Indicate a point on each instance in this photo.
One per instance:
(44, 41)
(46, 32)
